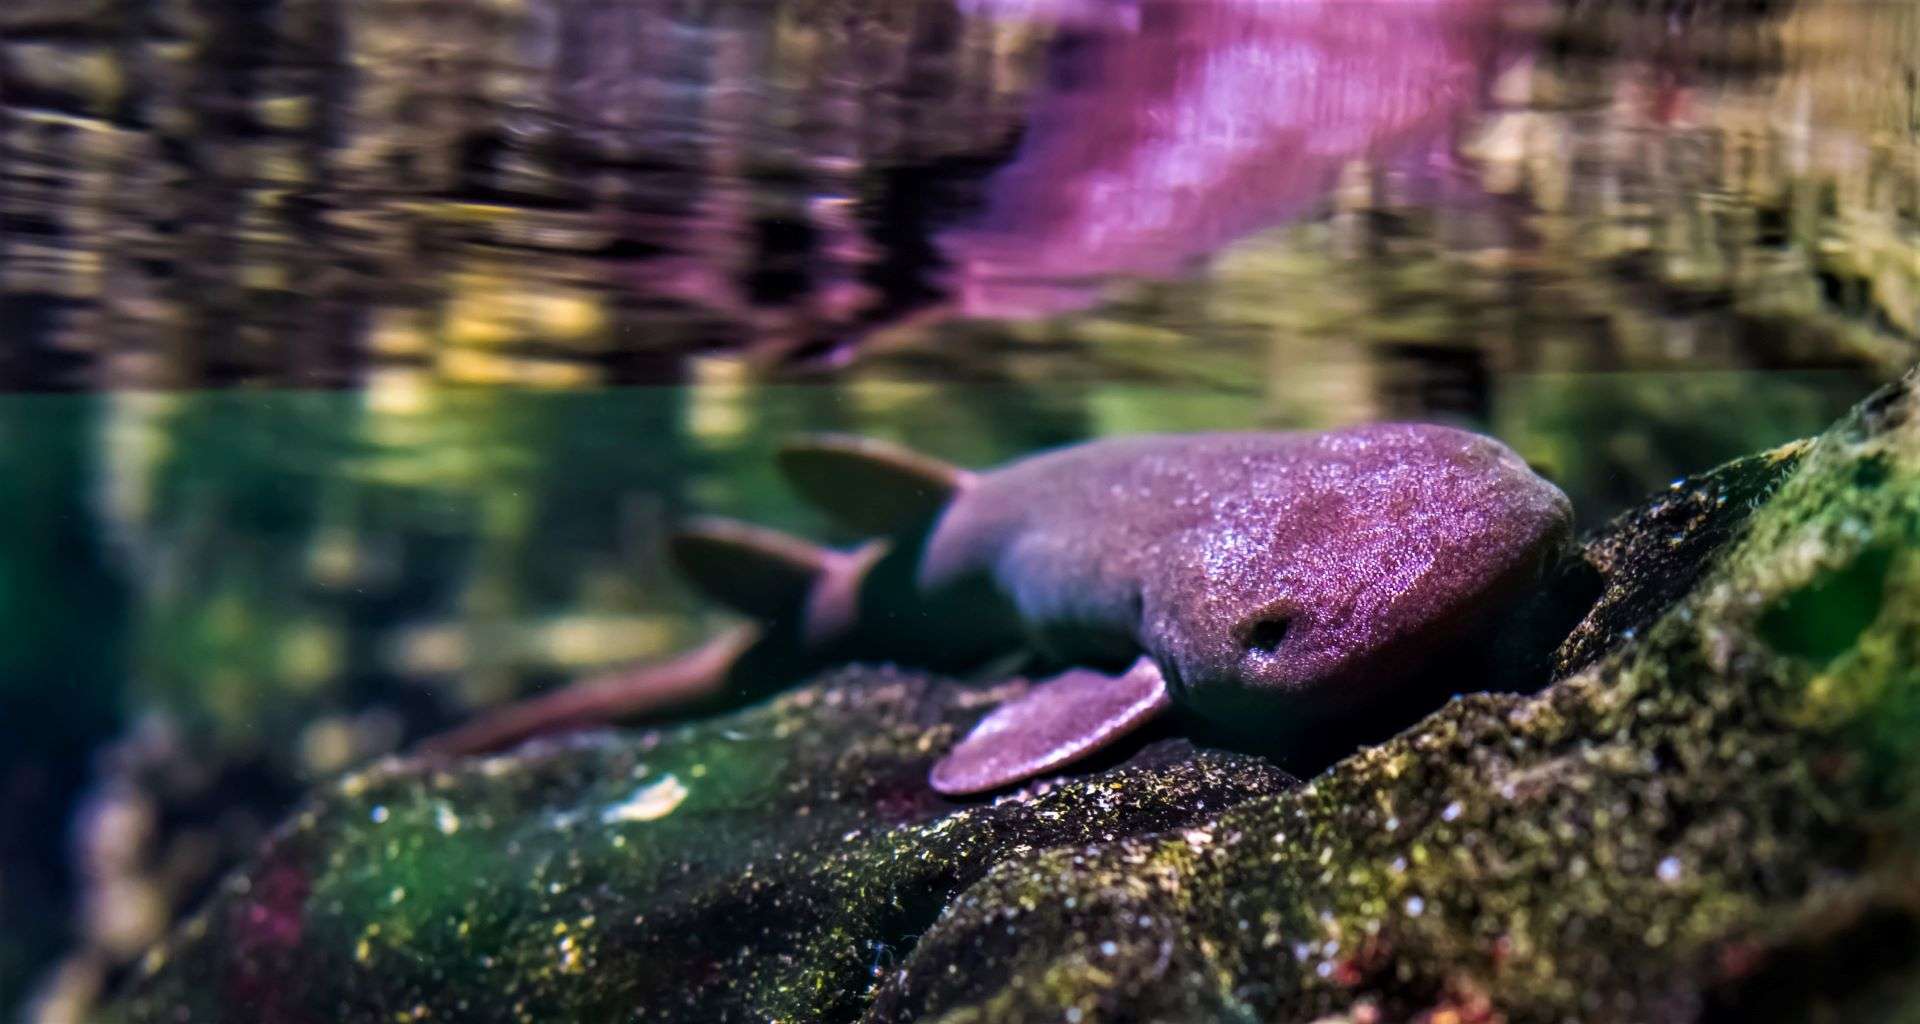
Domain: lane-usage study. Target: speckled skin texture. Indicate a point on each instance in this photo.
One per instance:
(1306, 567)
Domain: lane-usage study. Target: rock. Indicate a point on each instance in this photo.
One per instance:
(1714, 815)
(1653, 555)
(771, 864)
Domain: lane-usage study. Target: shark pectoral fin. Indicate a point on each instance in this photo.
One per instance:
(1056, 723)
(870, 486)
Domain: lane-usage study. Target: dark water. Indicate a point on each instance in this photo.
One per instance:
(391, 337)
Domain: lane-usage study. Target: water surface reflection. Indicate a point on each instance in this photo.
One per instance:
(562, 192)
(1166, 133)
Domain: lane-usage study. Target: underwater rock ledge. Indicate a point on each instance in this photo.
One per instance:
(1715, 815)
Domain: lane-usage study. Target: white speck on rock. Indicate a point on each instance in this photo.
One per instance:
(650, 802)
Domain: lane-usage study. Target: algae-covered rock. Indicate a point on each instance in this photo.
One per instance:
(1653, 555)
(1714, 815)
(769, 865)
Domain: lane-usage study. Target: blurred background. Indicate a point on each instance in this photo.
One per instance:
(356, 356)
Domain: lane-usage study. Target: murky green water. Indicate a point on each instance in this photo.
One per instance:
(397, 335)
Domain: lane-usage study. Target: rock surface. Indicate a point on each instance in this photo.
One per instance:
(1714, 815)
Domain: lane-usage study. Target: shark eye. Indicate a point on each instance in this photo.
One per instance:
(1264, 634)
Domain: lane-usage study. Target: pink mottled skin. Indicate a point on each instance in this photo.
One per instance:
(1263, 574)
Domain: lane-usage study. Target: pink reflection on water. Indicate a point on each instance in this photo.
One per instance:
(1171, 129)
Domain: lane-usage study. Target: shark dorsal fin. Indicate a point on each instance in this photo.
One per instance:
(873, 487)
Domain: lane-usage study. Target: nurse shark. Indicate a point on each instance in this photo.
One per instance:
(1265, 584)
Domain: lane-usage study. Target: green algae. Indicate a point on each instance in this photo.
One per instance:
(1824, 619)
(1711, 814)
